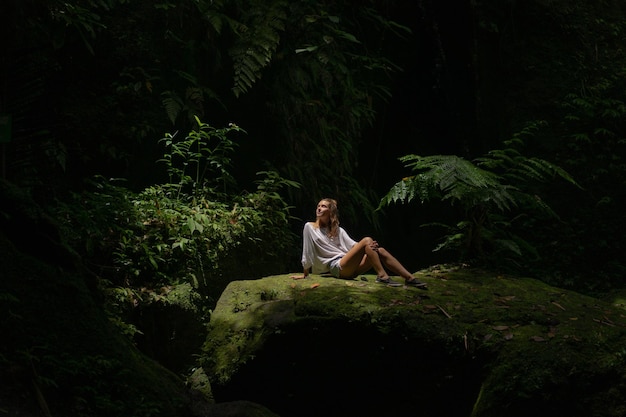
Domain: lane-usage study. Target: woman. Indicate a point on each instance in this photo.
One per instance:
(326, 247)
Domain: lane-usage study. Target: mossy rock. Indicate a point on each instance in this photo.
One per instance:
(475, 343)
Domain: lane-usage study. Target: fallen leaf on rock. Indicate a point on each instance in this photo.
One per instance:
(429, 308)
(315, 285)
(608, 323)
(505, 298)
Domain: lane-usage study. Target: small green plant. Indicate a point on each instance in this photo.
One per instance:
(201, 161)
(189, 229)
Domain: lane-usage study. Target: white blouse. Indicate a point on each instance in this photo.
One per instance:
(318, 250)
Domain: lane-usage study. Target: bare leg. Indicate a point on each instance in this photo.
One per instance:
(360, 259)
(392, 264)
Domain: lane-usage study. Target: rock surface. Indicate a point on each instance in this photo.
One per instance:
(473, 344)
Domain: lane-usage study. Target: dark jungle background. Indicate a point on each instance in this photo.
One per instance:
(162, 144)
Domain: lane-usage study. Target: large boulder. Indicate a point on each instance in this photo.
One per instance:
(474, 343)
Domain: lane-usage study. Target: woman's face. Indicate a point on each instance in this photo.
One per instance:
(323, 210)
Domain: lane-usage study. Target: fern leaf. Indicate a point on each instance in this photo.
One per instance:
(173, 105)
(257, 43)
(508, 245)
(453, 178)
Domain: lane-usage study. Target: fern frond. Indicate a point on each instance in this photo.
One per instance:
(449, 171)
(453, 178)
(395, 194)
(173, 105)
(518, 168)
(257, 42)
(534, 169)
(507, 245)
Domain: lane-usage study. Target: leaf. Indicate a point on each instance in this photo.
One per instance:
(500, 328)
(307, 49)
(315, 285)
(347, 36)
(191, 224)
(558, 305)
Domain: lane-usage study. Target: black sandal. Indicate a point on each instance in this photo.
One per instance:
(415, 283)
(388, 281)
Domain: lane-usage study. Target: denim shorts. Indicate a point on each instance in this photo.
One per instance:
(335, 268)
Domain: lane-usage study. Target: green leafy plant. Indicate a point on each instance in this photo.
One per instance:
(196, 231)
(201, 161)
(493, 192)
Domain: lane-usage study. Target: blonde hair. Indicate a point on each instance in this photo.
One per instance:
(333, 229)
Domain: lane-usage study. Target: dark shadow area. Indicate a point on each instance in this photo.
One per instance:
(347, 370)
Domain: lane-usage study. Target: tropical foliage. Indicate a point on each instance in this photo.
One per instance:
(91, 86)
(496, 194)
(192, 231)
(326, 96)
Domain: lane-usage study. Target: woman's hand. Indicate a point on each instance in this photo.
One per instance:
(374, 245)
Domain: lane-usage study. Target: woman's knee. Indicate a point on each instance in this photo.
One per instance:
(383, 253)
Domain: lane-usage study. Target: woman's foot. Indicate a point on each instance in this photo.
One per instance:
(387, 281)
(414, 282)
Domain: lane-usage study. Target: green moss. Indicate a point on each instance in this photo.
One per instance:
(533, 342)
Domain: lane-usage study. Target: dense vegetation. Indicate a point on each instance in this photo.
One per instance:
(170, 147)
